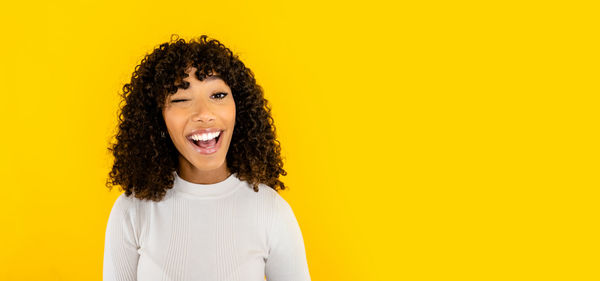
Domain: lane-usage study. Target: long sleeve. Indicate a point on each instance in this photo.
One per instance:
(121, 243)
(287, 257)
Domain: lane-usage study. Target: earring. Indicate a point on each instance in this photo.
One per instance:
(162, 134)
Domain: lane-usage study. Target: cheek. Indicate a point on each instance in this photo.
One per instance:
(173, 121)
(231, 115)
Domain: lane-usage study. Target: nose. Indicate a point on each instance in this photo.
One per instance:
(203, 113)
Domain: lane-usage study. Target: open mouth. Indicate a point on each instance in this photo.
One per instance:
(208, 146)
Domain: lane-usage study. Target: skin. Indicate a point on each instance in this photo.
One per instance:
(203, 106)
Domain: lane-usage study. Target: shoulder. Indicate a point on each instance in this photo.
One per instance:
(273, 196)
(125, 204)
(124, 201)
(279, 206)
(268, 197)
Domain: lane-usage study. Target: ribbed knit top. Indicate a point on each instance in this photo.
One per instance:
(219, 232)
(207, 191)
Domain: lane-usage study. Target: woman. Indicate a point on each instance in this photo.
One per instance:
(197, 157)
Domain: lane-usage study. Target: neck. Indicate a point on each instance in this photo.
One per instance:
(195, 175)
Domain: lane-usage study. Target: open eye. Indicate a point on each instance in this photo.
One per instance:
(221, 95)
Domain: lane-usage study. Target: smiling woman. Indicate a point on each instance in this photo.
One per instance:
(200, 121)
(197, 156)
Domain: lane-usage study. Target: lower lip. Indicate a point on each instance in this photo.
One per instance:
(207, 151)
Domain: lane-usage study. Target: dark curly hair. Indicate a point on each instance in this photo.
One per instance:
(145, 160)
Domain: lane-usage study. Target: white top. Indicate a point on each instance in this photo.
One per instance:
(216, 232)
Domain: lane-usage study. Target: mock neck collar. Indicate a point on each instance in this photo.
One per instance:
(213, 190)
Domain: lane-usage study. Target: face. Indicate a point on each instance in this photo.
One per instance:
(205, 106)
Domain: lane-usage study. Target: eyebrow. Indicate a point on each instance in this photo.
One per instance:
(206, 79)
(213, 77)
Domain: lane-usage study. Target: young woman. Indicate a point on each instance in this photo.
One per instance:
(197, 157)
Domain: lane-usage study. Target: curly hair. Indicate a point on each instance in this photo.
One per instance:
(144, 160)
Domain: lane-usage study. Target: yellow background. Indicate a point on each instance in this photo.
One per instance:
(424, 140)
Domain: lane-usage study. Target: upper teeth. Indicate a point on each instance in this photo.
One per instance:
(205, 137)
